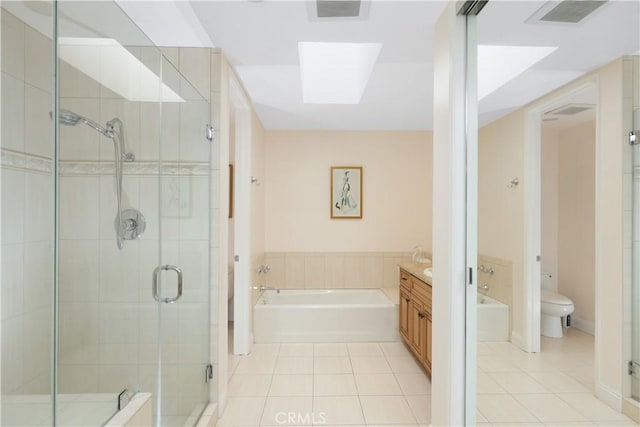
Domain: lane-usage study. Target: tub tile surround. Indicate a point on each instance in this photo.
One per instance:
(334, 270)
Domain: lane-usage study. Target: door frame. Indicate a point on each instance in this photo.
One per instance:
(530, 342)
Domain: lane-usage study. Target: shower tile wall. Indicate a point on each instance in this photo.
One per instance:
(27, 206)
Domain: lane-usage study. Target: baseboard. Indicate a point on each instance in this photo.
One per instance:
(517, 340)
(609, 396)
(586, 326)
(631, 408)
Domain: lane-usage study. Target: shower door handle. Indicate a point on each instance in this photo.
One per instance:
(156, 275)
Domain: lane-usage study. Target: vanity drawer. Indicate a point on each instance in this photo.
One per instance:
(405, 279)
(421, 290)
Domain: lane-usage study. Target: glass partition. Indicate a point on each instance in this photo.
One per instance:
(105, 220)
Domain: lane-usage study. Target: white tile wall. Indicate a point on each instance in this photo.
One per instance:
(12, 111)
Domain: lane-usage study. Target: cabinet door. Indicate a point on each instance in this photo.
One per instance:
(417, 328)
(404, 314)
(427, 342)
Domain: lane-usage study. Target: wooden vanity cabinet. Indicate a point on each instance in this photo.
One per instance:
(415, 317)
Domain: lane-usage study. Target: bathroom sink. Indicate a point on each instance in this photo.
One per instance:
(427, 272)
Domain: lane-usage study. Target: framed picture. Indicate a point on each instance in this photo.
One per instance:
(346, 192)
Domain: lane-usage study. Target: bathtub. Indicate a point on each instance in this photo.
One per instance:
(336, 315)
(493, 319)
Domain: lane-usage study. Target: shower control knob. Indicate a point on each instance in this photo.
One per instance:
(132, 226)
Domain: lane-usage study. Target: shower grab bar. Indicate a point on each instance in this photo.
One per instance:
(156, 274)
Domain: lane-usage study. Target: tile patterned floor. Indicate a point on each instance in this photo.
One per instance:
(380, 384)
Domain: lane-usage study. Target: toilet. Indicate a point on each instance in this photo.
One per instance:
(553, 306)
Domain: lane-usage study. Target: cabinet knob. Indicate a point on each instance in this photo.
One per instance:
(421, 315)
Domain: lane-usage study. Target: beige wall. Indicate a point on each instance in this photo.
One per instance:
(500, 208)
(502, 212)
(397, 191)
(576, 221)
(257, 199)
(549, 203)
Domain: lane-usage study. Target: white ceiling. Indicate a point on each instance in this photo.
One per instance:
(260, 40)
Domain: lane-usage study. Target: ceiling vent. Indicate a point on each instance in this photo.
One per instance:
(338, 8)
(565, 12)
(570, 109)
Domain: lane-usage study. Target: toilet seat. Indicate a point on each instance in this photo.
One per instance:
(550, 297)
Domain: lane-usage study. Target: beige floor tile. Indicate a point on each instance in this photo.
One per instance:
(242, 411)
(338, 410)
(332, 365)
(486, 385)
(503, 408)
(386, 410)
(334, 385)
(558, 382)
(496, 364)
(253, 364)
(377, 385)
(549, 408)
(592, 408)
(278, 410)
(395, 349)
(421, 408)
(414, 384)
(247, 385)
(364, 349)
(518, 383)
(330, 350)
(291, 385)
(265, 349)
(296, 350)
(294, 365)
(404, 365)
(370, 365)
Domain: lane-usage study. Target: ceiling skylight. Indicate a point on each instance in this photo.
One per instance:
(336, 73)
(113, 66)
(497, 65)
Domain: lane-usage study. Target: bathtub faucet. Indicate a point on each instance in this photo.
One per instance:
(264, 269)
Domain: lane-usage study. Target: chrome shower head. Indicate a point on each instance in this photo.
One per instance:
(69, 118)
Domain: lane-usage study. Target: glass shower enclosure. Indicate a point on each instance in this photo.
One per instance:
(105, 220)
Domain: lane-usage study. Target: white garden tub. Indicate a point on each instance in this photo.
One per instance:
(336, 315)
(493, 319)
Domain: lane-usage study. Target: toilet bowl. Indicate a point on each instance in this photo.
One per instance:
(553, 306)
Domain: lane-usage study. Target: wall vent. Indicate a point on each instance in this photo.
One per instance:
(570, 109)
(566, 12)
(338, 8)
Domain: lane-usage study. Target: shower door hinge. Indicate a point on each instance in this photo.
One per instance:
(208, 373)
(210, 132)
(633, 137)
(633, 367)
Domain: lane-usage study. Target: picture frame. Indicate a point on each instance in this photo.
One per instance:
(346, 192)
